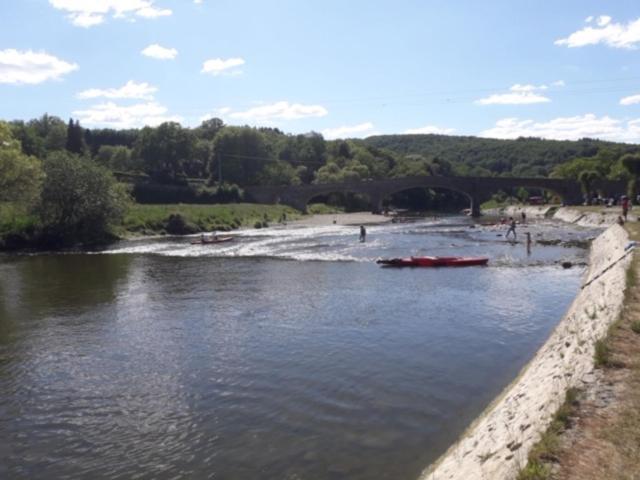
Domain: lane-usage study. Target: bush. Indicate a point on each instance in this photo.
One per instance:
(80, 201)
(177, 225)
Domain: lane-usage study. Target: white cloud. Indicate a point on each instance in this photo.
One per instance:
(430, 129)
(197, 1)
(568, 128)
(218, 66)
(87, 13)
(615, 35)
(131, 89)
(17, 67)
(278, 111)
(349, 131)
(630, 100)
(518, 95)
(112, 115)
(160, 52)
(558, 83)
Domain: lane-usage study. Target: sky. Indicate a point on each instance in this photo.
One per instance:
(345, 68)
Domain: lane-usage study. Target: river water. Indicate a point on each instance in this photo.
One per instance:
(286, 354)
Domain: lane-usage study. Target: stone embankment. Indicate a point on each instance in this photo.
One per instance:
(579, 216)
(496, 445)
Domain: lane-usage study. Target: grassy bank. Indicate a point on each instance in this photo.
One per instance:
(21, 230)
(161, 219)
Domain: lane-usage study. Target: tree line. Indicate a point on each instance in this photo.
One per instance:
(63, 174)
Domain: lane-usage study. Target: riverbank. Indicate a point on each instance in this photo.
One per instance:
(601, 438)
(182, 219)
(21, 231)
(585, 216)
(497, 444)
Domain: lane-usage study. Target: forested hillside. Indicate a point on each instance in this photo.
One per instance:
(476, 156)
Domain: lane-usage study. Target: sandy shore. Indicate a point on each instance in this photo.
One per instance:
(355, 218)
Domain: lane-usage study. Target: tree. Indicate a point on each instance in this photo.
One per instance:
(164, 150)
(208, 129)
(586, 179)
(52, 130)
(80, 200)
(20, 175)
(243, 154)
(75, 138)
(631, 163)
(117, 158)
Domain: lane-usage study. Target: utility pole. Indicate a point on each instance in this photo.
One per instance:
(219, 162)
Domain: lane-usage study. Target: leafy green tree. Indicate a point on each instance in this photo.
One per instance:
(20, 175)
(208, 129)
(411, 166)
(240, 153)
(631, 163)
(329, 173)
(586, 179)
(52, 130)
(32, 144)
(80, 200)
(279, 173)
(117, 158)
(164, 150)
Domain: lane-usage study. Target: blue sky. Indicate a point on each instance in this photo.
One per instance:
(501, 68)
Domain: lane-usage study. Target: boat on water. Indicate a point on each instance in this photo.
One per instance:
(433, 261)
(210, 240)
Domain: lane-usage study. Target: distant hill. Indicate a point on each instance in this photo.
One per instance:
(488, 156)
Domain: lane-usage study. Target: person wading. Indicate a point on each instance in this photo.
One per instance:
(512, 229)
(363, 233)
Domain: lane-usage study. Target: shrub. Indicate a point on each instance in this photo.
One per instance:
(602, 354)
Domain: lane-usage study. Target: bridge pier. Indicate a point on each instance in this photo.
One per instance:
(376, 202)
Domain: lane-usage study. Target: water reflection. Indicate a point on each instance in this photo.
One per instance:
(160, 365)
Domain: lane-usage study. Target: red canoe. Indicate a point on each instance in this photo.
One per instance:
(433, 261)
(209, 240)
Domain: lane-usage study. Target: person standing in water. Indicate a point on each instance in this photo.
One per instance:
(363, 233)
(512, 229)
(625, 207)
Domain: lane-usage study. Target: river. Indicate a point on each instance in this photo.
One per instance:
(285, 354)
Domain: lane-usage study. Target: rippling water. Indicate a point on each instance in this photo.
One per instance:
(287, 354)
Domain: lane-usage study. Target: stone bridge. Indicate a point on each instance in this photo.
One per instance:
(477, 189)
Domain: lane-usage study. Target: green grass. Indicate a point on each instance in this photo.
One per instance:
(152, 219)
(535, 471)
(602, 354)
(547, 448)
(323, 208)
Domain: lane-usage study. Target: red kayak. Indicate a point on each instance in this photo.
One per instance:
(433, 261)
(209, 240)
